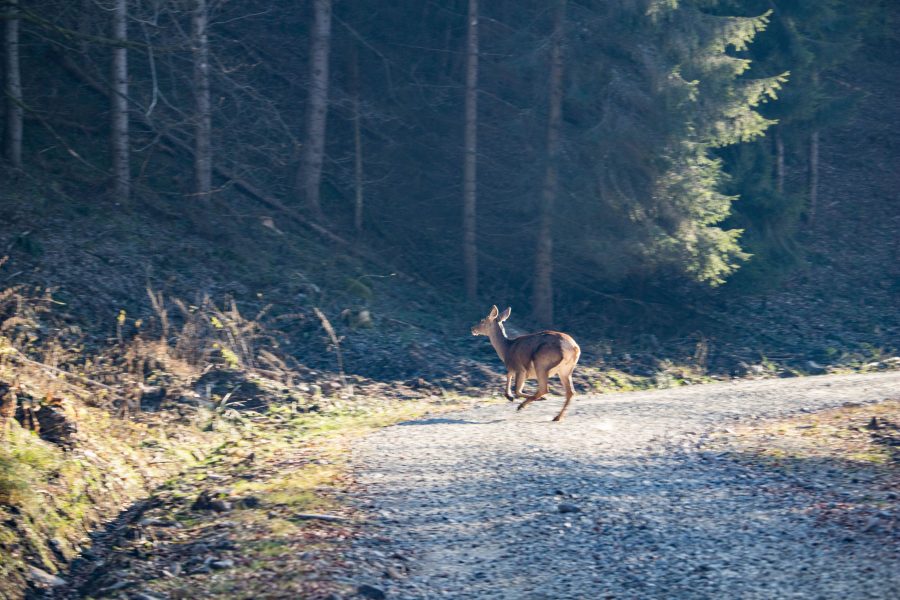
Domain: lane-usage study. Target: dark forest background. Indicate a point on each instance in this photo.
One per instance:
(626, 168)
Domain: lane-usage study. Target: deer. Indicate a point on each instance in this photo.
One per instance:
(535, 355)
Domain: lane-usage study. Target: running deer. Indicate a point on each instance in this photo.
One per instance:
(536, 355)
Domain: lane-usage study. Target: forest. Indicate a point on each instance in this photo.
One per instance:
(240, 238)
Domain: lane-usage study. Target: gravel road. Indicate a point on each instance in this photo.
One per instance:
(474, 504)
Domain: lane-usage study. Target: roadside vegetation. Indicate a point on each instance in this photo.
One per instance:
(850, 456)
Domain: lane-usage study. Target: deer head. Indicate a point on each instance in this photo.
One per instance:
(492, 322)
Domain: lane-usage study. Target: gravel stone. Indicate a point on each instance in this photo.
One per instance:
(44, 578)
(468, 497)
(370, 591)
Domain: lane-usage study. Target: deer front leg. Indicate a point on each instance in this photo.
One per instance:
(521, 376)
(508, 392)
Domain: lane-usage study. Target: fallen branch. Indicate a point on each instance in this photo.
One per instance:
(18, 356)
(318, 517)
(326, 325)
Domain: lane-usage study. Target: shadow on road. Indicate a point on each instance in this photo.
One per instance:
(445, 421)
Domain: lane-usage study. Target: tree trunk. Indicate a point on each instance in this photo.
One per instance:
(470, 249)
(543, 268)
(14, 109)
(813, 175)
(85, 16)
(8, 404)
(779, 161)
(310, 175)
(119, 98)
(202, 143)
(813, 160)
(357, 144)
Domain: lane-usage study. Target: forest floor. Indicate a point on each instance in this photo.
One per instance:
(751, 489)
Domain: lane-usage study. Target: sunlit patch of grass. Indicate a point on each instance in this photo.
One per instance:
(25, 461)
(55, 495)
(296, 489)
(614, 380)
(842, 436)
(269, 548)
(880, 457)
(354, 422)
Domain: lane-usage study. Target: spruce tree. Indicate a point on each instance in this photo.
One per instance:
(665, 91)
(811, 38)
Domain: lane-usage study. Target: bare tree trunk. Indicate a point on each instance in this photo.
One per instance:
(813, 175)
(9, 402)
(357, 144)
(14, 109)
(470, 163)
(120, 148)
(84, 25)
(779, 161)
(543, 268)
(310, 175)
(202, 142)
(813, 161)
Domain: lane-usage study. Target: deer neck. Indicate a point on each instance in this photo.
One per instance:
(499, 341)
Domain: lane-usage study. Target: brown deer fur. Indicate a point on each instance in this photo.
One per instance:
(536, 355)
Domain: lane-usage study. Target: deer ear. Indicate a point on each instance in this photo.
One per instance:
(494, 312)
(505, 314)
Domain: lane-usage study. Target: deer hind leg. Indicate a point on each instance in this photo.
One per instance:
(542, 372)
(566, 379)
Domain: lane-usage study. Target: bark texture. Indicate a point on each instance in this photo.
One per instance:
(119, 100)
(779, 161)
(359, 197)
(813, 165)
(813, 175)
(310, 175)
(14, 110)
(202, 140)
(470, 163)
(543, 268)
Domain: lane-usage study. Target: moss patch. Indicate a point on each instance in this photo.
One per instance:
(51, 500)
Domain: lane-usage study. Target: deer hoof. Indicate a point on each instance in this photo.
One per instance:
(557, 418)
(521, 406)
(510, 397)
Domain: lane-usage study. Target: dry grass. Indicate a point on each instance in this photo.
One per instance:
(291, 453)
(845, 435)
(849, 457)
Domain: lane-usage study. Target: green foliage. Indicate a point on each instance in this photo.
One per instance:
(357, 288)
(665, 168)
(662, 90)
(812, 39)
(24, 462)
